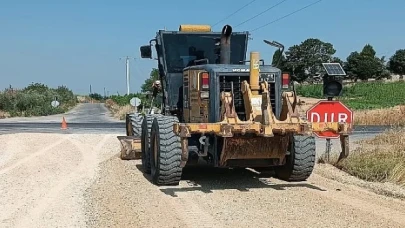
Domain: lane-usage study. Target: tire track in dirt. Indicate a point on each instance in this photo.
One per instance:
(85, 168)
(191, 213)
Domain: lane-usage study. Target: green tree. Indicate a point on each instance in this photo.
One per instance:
(365, 65)
(96, 96)
(305, 60)
(36, 87)
(337, 60)
(397, 63)
(65, 95)
(147, 85)
(383, 71)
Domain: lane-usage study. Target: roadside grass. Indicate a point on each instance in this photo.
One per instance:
(4, 114)
(394, 116)
(380, 159)
(118, 111)
(373, 103)
(119, 105)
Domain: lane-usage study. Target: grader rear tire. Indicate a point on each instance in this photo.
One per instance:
(165, 152)
(145, 141)
(133, 124)
(300, 162)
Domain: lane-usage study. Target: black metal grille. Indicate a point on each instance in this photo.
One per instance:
(225, 85)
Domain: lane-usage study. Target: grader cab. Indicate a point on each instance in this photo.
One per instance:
(219, 110)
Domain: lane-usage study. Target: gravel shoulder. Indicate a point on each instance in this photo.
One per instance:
(210, 197)
(71, 180)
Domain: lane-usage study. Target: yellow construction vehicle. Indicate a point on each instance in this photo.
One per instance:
(218, 109)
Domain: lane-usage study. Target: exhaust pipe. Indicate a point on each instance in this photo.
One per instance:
(225, 44)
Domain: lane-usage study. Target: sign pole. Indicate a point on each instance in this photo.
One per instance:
(328, 142)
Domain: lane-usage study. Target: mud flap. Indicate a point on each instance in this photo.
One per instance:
(130, 147)
(254, 148)
(344, 142)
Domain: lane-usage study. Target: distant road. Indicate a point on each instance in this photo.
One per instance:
(84, 118)
(82, 113)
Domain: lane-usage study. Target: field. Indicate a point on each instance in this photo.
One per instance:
(374, 103)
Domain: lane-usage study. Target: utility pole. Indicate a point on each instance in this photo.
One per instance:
(127, 72)
(91, 99)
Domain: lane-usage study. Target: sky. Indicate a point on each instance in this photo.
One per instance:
(80, 43)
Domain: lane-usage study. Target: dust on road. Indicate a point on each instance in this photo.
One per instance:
(69, 180)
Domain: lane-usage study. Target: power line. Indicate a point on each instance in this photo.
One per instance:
(271, 7)
(235, 12)
(280, 18)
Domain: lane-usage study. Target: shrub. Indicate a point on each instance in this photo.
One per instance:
(35, 100)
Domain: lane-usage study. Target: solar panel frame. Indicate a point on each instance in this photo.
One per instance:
(334, 69)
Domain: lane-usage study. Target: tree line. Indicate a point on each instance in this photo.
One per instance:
(304, 62)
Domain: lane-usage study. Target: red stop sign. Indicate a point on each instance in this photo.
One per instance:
(329, 111)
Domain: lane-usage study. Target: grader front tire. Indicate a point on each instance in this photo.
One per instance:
(300, 162)
(165, 152)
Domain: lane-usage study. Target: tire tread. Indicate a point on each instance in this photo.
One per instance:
(169, 172)
(303, 155)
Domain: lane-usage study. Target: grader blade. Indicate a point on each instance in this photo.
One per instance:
(130, 147)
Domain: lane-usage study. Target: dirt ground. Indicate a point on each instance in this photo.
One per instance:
(78, 180)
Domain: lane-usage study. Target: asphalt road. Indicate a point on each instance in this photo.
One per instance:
(82, 113)
(84, 118)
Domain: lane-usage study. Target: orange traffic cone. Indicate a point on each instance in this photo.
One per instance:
(64, 124)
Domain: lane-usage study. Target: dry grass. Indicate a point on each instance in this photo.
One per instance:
(4, 115)
(119, 112)
(390, 116)
(381, 159)
(83, 99)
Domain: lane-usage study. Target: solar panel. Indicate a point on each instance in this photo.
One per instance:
(333, 69)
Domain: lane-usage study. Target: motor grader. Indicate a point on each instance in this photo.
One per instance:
(222, 111)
